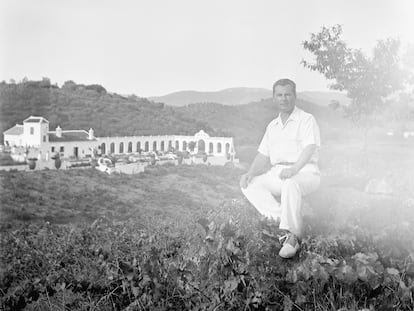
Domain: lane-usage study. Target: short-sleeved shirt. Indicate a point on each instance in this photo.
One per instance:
(285, 142)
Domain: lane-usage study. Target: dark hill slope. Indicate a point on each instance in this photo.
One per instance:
(247, 122)
(82, 107)
(75, 106)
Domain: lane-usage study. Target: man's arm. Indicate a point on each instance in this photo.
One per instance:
(304, 158)
(259, 166)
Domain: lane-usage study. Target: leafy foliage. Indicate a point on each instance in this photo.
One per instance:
(223, 261)
(181, 238)
(368, 81)
(77, 106)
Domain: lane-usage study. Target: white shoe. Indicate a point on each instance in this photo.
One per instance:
(288, 250)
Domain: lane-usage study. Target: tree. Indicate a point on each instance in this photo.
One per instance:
(69, 85)
(368, 80)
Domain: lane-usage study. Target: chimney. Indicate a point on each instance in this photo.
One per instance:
(58, 131)
(91, 133)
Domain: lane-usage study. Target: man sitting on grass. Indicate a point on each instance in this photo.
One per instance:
(290, 144)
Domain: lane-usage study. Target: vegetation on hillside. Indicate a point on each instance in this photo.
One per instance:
(182, 238)
(247, 122)
(77, 106)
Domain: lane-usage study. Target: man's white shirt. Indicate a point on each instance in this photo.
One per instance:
(286, 142)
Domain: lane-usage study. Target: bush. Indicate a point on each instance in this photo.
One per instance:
(225, 260)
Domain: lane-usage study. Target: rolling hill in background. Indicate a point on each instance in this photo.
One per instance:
(231, 96)
(247, 122)
(244, 95)
(75, 106)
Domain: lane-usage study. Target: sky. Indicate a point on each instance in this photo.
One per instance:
(155, 47)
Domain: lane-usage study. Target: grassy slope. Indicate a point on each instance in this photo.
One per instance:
(157, 218)
(179, 192)
(84, 195)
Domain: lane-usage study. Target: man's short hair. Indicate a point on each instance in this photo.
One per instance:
(284, 82)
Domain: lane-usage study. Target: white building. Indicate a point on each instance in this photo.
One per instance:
(35, 134)
(32, 133)
(80, 143)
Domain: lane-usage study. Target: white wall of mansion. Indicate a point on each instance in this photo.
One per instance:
(79, 149)
(217, 146)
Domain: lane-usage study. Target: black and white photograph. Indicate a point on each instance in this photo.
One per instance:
(207, 155)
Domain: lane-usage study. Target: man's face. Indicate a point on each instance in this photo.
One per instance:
(284, 98)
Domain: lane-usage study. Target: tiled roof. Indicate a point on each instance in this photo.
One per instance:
(15, 130)
(33, 119)
(74, 135)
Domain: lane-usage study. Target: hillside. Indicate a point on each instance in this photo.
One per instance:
(75, 106)
(82, 239)
(247, 122)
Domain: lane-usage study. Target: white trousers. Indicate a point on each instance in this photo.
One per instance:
(262, 189)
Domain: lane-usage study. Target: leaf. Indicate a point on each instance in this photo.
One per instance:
(362, 273)
(292, 276)
(410, 269)
(230, 285)
(209, 238)
(212, 226)
(135, 291)
(287, 304)
(300, 299)
(392, 271)
(230, 246)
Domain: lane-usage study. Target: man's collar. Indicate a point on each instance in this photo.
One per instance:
(294, 116)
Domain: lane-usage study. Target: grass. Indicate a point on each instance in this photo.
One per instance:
(197, 243)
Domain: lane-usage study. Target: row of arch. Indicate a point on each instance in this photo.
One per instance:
(163, 146)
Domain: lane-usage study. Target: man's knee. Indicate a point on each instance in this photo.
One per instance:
(290, 185)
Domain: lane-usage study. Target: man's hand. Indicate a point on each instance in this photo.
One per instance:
(287, 172)
(245, 180)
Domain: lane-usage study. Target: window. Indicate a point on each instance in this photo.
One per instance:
(52, 149)
(62, 149)
(44, 138)
(31, 130)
